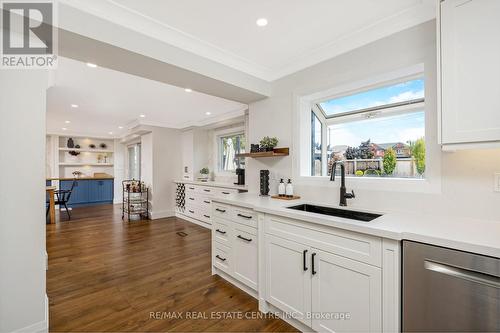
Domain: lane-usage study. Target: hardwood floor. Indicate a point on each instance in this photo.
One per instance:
(109, 275)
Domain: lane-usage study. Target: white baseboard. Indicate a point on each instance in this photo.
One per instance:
(195, 221)
(162, 214)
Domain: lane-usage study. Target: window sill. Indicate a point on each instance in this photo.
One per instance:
(415, 185)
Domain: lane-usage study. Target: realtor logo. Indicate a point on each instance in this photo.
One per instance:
(28, 34)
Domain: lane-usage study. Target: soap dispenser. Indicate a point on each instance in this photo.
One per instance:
(289, 189)
(281, 188)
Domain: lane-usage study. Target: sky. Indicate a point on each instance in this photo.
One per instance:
(399, 128)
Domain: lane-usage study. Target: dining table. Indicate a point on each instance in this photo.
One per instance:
(51, 190)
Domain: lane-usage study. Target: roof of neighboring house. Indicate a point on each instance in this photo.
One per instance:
(340, 148)
(385, 146)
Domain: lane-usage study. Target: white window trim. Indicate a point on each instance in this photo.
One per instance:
(304, 103)
(217, 135)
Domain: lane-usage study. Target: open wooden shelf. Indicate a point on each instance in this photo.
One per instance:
(277, 152)
(89, 150)
(86, 164)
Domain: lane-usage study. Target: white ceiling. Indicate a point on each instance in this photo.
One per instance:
(300, 33)
(108, 99)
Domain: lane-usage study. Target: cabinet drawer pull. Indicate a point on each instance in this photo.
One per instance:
(304, 260)
(191, 198)
(312, 261)
(220, 258)
(191, 188)
(205, 201)
(244, 216)
(207, 216)
(226, 193)
(245, 239)
(191, 211)
(220, 210)
(206, 190)
(220, 231)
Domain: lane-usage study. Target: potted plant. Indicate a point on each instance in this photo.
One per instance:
(204, 174)
(269, 143)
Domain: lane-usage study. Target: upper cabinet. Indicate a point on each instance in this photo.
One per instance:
(469, 60)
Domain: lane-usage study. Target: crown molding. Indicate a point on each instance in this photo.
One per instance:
(110, 10)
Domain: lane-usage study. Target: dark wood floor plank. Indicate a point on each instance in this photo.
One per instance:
(106, 275)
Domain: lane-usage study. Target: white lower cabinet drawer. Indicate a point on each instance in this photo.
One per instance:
(221, 232)
(244, 216)
(222, 257)
(245, 254)
(221, 210)
(222, 192)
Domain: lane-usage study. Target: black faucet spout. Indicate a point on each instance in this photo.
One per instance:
(343, 191)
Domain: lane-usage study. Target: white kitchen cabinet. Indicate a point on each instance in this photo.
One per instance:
(288, 277)
(240, 240)
(330, 278)
(348, 292)
(244, 242)
(469, 51)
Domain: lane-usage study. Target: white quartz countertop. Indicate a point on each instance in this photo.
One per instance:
(472, 235)
(214, 184)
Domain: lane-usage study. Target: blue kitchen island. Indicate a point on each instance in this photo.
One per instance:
(87, 191)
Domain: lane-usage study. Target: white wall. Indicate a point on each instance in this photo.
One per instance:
(467, 177)
(22, 200)
(167, 167)
(161, 165)
(119, 156)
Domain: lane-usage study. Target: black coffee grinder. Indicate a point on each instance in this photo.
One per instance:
(241, 176)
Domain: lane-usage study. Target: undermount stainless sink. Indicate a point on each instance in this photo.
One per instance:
(344, 213)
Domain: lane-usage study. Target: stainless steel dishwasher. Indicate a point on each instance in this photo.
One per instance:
(446, 290)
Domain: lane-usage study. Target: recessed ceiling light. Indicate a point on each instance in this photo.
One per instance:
(120, 127)
(208, 113)
(64, 128)
(262, 22)
(142, 116)
(91, 65)
(188, 90)
(67, 122)
(74, 106)
(110, 133)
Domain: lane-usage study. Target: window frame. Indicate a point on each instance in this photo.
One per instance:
(138, 146)
(307, 101)
(218, 135)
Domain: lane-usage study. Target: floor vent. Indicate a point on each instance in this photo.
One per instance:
(182, 234)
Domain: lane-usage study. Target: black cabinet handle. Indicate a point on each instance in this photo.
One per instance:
(206, 190)
(244, 216)
(226, 193)
(312, 260)
(245, 239)
(207, 216)
(220, 210)
(220, 258)
(191, 198)
(191, 211)
(220, 231)
(207, 202)
(304, 260)
(191, 188)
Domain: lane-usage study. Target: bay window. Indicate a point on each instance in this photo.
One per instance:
(377, 131)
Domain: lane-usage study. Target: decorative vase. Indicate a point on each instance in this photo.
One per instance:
(71, 143)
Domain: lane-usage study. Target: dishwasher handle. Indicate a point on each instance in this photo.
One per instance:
(464, 274)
